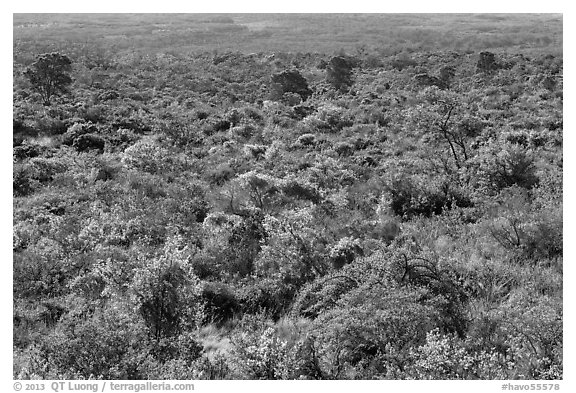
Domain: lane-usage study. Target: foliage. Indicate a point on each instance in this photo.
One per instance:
(504, 166)
(351, 336)
(50, 75)
(339, 72)
(392, 214)
(167, 293)
(290, 81)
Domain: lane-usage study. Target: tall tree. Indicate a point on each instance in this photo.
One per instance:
(339, 72)
(49, 75)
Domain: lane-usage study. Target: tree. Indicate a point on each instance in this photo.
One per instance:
(487, 62)
(290, 81)
(441, 115)
(339, 72)
(49, 75)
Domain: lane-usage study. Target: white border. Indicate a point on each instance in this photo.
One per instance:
(293, 6)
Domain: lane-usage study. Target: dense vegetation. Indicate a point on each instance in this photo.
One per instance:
(392, 214)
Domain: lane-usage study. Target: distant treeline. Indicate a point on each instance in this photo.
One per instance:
(326, 33)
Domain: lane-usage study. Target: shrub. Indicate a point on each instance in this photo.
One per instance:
(447, 73)
(255, 151)
(219, 125)
(532, 325)
(487, 62)
(47, 125)
(243, 130)
(76, 130)
(375, 323)
(339, 72)
(24, 182)
(447, 357)
(298, 189)
(167, 293)
(220, 174)
(265, 295)
(220, 302)
(549, 83)
(328, 118)
(345, 251)
(184, 348)
(201, 368)
(26, 150)
(344, 149)
(442, 357)
(414, 196)
(259, 352)
(427, 80)
(108, 95)
(87, 142)
(122, 138)
(306, 140)
(117, 345)
(47, 168)
(149, 156)
(533, 235)
(290, 81)
(403, 61)
(502, 166)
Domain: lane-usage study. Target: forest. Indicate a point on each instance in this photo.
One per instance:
(356, 196)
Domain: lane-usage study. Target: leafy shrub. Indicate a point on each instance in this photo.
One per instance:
(202, 368)
(532, 235)
(220, 302)
(293, 252)
(496, 168)
(167, 293)
(371, 323)
(532, 326)
(411, 197)
(108, 95)
(220, 174)
(402, 61)
(149, 156)
(339, 72)
(106, 170)
(265, 295)
(87, 142)
(344, 149)
(301, 111)
(306, 140)
(487, 62)
(255, 151)
(244, 130)
(24, 179)
(447, 357)
(328, 118)
(259, 352)
(427, 80)
(76, 130)
(217, 126)
(290, 81)
(298, 189)
(323, 293)
(345, 251)
(47, 125)
(114, 339)
(27, 150)
(184, 347)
